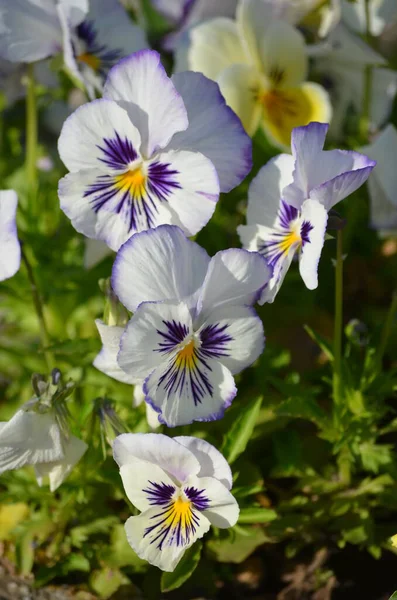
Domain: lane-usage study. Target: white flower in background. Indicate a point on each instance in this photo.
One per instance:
(289, 201)
(325, 14)
(193, 325)
(181, 486)
(382, 185)
(34, 437)
(139, 158)
(183, 14)
(382, 14)
(31, 29)
(342, 62)
(106, 362)
(10, 248)
(106, 35)
(261, 66)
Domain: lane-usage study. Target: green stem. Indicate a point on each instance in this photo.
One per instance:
(366, 104)
(337, 378)
(31, 132)
(386, 331)
(45, 339)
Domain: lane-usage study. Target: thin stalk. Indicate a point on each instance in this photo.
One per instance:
(31, 132)
(45, 339)
(387, 327)
(337, 378)
(367, 92)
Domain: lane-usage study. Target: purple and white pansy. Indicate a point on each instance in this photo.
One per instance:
(10, 248)
(152, 151)
(193, 326)
(106, 35)
(181, 486)
(289, 201)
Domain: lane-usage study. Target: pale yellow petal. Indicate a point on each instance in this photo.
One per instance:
(253, 17)
(215, 45)
(285, 109)
(240, 86)
(283, 55)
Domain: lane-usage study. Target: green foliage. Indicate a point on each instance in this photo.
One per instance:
(189, 562)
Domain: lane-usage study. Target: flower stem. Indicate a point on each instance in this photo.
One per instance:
(31, 132)
(367, 92)
(337, 378)
(386, 331)
(45, 339)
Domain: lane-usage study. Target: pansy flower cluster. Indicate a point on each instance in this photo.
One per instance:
(147, 162)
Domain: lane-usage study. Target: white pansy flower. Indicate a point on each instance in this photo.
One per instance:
(10, 248)
(180, 485)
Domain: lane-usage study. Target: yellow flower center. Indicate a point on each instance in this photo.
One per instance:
(292, 238)
(133, 181)
(186, 357)
(91, 60)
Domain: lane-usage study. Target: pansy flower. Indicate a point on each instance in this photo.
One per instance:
(289, 201)
(139, 158)
(31, 29)
(193, 326)
(33, 436)
(181, 486)
(261, 66)
(106, 35)
(10, 249)
(106, 362)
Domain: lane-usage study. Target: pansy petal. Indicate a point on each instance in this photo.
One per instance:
(194, 191)
(286, 109)
(279, 270)
(135, 83)
(253, 19)
(334, 190)
(157, 541)
(195, 388)
(10, 255)
(177, 267)
(223, 510)
(146, 484)
(384, 151)
(215, 45)
(234, 277)
(94, 252)
(283, 55)
(157, 449)
(74, 448)
(152, 417)
(214, 129)
(99, 135)
(156, 329)
(234, 335)
(266, 190)
(29, 438)
(315, 216)
(240, 86)
(212, 462)
(106, 360)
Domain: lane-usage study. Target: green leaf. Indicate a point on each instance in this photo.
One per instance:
(81, 533)
(257, 515)
(120, 554)
(238, 436)
(238, 545)
(321, 342)
(302, 408)
(106, 582)
(185, 568)
(393, 596)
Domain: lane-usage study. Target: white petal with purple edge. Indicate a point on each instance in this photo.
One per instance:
(233, 335)
(177, 267)
(10, 249)
(212, 462)
(99, 135)
(214, 129)
(315, 216)
(192, 198)
(135, 83)
(157, 449)
(151, 539)
(106, 360)
(192, 388)
(155, 331)
(234, 277)
(265, 191)
(223, 510)
(280, 268)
